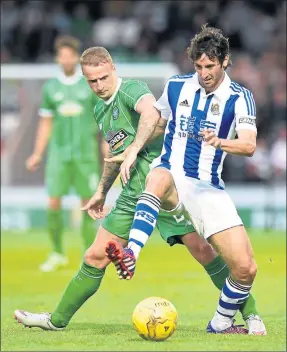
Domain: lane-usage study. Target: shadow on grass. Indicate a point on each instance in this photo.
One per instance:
(101, 329)
(127, 329)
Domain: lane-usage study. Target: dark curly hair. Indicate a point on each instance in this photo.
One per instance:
(211, 42)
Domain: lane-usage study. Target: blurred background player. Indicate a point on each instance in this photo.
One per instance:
(67, 127)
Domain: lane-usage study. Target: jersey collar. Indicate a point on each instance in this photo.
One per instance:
(107, 102)
(69, 80)
(221, 92)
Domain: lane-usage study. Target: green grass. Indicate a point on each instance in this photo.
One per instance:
(104, 322)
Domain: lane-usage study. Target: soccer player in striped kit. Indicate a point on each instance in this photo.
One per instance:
(203, 112)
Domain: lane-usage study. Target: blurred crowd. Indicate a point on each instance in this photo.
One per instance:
(160, 31)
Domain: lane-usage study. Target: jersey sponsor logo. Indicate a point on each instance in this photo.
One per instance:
(186, 125)
(115, 113)
(215, 109)
(248, 120)
(116, 139)
(70, 109)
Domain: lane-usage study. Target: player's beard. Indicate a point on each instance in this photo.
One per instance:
(212, 84)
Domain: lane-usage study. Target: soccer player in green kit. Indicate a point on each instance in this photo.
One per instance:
(67, 127)
(126, 117)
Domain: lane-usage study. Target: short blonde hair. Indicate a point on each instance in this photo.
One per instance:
(67, 41)
(95, 56)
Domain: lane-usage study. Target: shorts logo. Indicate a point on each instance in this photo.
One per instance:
(116, 139)
(248, 120)
(215, 109)
(115, 113)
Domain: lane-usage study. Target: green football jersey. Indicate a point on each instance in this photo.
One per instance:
(70, 102)
(118, 120)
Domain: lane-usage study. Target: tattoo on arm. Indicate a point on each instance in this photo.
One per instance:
(110, 173)
(158, 131)
(146, 128)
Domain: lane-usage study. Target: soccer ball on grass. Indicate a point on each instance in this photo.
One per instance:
(155, 319)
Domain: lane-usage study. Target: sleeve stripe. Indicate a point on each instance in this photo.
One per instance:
(247, 102)
(250, 103)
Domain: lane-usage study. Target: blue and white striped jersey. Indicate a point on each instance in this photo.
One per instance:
(189, 109)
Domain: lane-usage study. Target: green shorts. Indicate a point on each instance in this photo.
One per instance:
(83, 177)
(171, 227)
(119, 220)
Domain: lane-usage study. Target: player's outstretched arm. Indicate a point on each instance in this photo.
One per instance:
(110, 173)
(149, 117)
(245, 145)
(95, 206)
(159, 131)
(42, 139)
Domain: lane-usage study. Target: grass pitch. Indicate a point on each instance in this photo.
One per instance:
(104, 322)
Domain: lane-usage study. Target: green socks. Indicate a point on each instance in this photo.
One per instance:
(83, 285)
(88, 230)
(248, 307)
(55, 228)
(218, 272)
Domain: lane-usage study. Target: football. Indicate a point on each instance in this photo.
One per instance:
(155, 319)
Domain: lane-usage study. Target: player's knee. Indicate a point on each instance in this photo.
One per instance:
(95, 259)
(158, 182)
(199, 248)
(245, 272)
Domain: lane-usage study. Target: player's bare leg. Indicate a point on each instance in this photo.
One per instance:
(234, 246)
(160, 190)
(218, 271)
(82, 286)
(56, 258)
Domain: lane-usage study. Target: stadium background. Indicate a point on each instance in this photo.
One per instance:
(147, 33)
(148, 39)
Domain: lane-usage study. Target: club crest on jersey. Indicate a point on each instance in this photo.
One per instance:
(215, 109)
(115, 112)
(116, 139)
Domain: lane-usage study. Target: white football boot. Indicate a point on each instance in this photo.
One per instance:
(54, 262)
(255, 325)
(35, 320)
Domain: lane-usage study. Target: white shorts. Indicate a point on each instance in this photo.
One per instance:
(211, 209)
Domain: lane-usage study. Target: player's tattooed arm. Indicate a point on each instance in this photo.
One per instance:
(159, 130)
(95, 206)
(149, 117)
(110, 173)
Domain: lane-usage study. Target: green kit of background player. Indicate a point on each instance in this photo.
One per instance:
(73, 161)
(125, 115)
